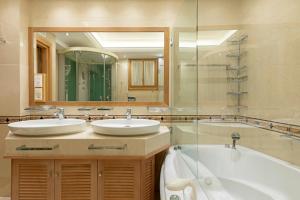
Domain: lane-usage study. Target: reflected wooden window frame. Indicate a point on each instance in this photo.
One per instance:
(143, 86)
(44, 68)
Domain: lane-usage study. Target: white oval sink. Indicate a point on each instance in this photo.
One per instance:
(125, 127)
(44, 127)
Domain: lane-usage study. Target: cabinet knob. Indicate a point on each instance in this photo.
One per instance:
(100, 174)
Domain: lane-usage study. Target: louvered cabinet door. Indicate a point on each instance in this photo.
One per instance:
(32, 180)
(76, 180)
(147, 178)
(119, 180)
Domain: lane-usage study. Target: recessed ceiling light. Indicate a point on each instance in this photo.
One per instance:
(130, 40)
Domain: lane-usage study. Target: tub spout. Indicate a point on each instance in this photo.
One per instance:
(235, 136)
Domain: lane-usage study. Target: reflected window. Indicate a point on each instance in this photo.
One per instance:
(143, 74)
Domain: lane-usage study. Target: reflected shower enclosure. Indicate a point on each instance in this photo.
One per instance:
(85, 74)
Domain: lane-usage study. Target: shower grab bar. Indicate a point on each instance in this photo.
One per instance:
(93, 147)
(205, 65)
(25, 148)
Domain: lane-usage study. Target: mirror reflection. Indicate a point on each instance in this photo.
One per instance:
(99, 66)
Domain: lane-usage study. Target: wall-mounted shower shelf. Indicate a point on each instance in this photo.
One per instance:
(236, 73)
(205, 65)
(239, 41)
(237, 107)
(236, 68)
(238, 79)
(236, 55)
(237, 93)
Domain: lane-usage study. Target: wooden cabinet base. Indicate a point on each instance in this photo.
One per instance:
(109, 179)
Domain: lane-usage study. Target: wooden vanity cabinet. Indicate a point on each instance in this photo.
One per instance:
(107, 179)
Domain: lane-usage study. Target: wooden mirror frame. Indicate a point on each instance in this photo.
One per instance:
(32, 30)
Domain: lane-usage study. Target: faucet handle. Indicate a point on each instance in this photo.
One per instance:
(235, 136)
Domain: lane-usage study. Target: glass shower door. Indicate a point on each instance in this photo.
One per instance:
(184, 89)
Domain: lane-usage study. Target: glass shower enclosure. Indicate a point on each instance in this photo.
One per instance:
(86, 74)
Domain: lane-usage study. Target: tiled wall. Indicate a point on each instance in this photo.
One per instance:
(4, 165)
(10, 58)
(13, 76)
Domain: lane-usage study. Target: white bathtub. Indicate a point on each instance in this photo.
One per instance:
(225, 174)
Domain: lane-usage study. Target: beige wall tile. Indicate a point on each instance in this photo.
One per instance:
(104, 13)
(10, 90)
(6, 55)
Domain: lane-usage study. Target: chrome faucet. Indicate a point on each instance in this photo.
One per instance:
(235, 136)
(128, 113)
(60, 113)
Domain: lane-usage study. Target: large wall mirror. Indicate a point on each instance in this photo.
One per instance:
(99, 66)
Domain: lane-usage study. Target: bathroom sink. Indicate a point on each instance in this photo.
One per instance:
(45, 127)
(126, 127)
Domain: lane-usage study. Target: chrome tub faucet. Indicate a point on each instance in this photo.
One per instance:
(235, 136)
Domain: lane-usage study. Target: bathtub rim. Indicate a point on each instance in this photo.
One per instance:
(247, 149)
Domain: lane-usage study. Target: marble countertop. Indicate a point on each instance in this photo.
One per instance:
(86, 143)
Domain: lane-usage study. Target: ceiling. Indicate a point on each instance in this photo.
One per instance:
(123, 44)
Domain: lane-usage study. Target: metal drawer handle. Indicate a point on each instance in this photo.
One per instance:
(25, 148)
(93, 147)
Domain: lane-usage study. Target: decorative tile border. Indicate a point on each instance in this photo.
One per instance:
(10, 119)
(162, 118)
(289, 130)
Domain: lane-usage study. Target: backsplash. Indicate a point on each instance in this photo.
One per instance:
(289, 130)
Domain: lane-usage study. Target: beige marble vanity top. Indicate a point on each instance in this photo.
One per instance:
(87, 144)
